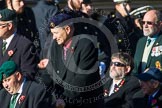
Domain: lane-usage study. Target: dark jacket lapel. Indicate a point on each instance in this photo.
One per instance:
(11, 47)
(23, 95)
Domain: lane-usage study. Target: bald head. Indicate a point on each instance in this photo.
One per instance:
(154, 15)
(152, 23)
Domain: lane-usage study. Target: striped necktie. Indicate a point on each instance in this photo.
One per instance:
(4, 47)
(13, 100)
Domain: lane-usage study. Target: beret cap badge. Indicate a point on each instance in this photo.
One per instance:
(4, 76)
(52, 25)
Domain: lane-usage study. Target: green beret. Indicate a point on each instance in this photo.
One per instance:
(7, 68)
(7, 15)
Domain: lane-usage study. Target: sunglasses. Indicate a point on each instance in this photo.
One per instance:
(148, 23)
(118, 64)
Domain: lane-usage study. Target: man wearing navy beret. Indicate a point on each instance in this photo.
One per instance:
(19, 92)
(151, 95)
(72, 63)
(15, 47)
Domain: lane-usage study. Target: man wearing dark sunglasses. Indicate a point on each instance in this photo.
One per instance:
(149, 48)
(121, 85)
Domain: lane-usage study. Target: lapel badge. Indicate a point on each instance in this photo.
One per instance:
(158, 65)
(0, 16)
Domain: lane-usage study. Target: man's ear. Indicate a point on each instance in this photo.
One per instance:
(156, 84)
(67, 29)
(127, 69)
(10, 26)
(18, 76)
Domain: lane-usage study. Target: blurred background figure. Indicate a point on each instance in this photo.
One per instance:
(43, 11)
(137, 14)
(2, 4)
(86, 7)
(122, 26)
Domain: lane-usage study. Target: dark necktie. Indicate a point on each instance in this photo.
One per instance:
(116, 88)
(13, 100)
(4, 47)
(150, 101)
(148, 42)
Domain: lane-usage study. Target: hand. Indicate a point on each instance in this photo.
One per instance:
(43, 63)
(60, 103)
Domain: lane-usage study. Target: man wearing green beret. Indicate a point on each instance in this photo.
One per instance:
(15, 47)
(18, 92)
(26, 21)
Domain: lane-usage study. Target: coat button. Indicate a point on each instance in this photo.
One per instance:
(57, 72)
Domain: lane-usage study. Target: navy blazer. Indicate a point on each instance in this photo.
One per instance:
(23, 55)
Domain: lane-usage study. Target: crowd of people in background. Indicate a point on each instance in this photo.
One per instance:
(76, 58)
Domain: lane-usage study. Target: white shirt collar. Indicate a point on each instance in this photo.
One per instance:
(8, 40)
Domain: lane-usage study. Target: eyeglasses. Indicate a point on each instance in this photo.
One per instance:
(3, 25)
(118, 64)
(148, 23)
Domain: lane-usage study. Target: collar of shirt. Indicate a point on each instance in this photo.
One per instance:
(68, 44)
(112, 86)
(8, 40)
(154, 94)
(153, 38)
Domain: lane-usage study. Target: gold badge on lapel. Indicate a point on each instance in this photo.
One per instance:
(158, 65)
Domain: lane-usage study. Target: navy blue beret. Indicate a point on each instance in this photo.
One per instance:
(151, 73)
(58, 19)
